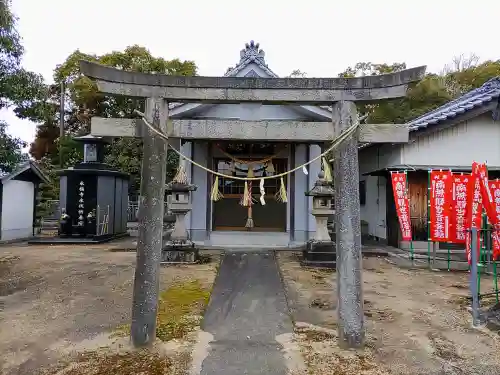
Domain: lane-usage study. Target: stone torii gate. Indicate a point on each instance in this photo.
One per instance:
(341, 93)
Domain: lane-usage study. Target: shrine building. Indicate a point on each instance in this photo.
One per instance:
(275, 223)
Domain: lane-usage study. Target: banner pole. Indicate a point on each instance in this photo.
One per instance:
(479, 264)
(474, 288)
(494, 259)
(429, 217)
(450, 213)
(495, 280)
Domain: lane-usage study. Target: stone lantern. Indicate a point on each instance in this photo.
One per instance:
(320, 251)
(179, 248)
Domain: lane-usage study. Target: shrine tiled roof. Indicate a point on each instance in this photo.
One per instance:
(487, 93)
(251, 54)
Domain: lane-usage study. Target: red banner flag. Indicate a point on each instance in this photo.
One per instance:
(486, 195)
(495, 193)
(474, 214)
(399, 189)
(461, 189)
(440, 206)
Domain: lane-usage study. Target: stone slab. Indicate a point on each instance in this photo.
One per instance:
(174, 255)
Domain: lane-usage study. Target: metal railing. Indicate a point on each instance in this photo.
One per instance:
(54, 212)
(133, 211)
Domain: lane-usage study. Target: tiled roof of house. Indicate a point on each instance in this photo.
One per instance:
(483, 95)
(4, 176)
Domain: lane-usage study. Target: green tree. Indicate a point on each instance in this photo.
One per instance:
(434, 90)
(11, 150)
(20, 89)
(83, 101)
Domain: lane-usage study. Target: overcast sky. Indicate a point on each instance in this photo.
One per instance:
(319, 37)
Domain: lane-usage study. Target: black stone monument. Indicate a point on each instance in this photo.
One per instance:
(93, 198)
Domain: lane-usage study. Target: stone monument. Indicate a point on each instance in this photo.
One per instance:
(320, 251)
(93, 198)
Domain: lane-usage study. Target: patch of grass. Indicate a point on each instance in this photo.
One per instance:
(142, 362)
(179, 311)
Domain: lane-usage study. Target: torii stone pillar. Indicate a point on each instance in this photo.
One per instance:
(150, 241)
(351, 330)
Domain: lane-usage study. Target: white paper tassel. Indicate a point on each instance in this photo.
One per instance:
(304, 169)
(262, 192)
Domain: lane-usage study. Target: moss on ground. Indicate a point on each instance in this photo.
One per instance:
(179, 311)
(141, 362)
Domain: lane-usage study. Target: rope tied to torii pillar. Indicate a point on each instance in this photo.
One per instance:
(281, 194)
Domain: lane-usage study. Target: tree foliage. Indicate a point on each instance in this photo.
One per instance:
(11, 150)
(434, 90)
(20, 89)
(83, 101)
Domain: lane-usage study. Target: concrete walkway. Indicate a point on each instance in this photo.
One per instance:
(247, 319)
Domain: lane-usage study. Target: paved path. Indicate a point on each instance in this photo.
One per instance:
(246, 316)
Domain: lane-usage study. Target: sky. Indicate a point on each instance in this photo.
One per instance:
(319, 37)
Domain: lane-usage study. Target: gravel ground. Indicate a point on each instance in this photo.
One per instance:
(416, 322)
(58, 297)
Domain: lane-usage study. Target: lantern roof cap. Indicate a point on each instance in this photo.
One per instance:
(177, 187)
(321, 188)
(90, 139)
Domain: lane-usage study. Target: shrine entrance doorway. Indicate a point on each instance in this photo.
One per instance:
(228, 213)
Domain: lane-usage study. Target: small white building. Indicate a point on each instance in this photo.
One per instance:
(18, 193)
(450, 137)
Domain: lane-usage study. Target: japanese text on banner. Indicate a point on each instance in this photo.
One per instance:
(474, 214)
(460, 195)
(495, 193)
(440, 206)
(402, 204)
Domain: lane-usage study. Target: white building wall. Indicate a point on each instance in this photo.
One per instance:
(373, 212)
(199, 177)
(477, 139)
(17, 210)
(374, 209)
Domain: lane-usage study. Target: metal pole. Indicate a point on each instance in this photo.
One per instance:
(61, 123)
(150, 236)
(474, 278)
(351, 324)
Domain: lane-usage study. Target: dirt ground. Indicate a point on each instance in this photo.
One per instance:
(417, 322)
(53, 299)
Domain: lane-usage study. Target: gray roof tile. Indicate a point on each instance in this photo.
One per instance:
(483, 95)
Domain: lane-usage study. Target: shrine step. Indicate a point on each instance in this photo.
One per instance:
(319, 255)
(179, 256)
(319, 263)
